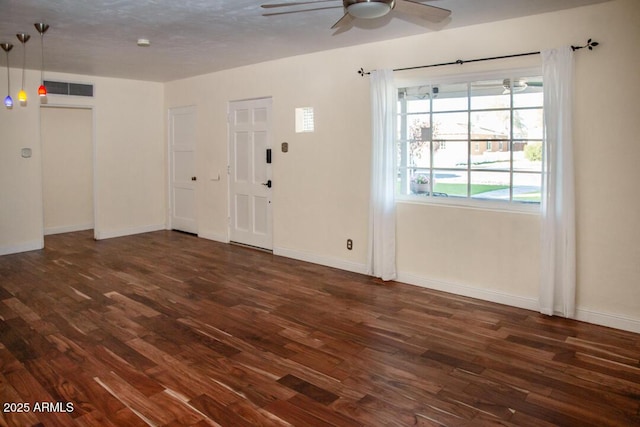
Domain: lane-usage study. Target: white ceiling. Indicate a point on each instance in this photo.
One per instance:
(192, 37)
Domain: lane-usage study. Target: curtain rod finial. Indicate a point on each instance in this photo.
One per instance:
(590, 45)
(362, 72)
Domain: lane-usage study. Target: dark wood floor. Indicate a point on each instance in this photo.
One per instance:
(167, 329)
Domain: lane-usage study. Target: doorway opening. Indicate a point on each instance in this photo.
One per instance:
(67, 169)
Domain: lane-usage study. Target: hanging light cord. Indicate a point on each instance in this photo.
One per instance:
(42, 50)
(24, 62)
(8, 75)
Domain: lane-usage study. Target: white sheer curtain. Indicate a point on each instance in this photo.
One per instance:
(558, 253)
(381, 259)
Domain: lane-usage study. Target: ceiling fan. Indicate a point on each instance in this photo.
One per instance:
(367, 9)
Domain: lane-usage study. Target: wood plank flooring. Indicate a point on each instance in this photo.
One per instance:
(166, 329)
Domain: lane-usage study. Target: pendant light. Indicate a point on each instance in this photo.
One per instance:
(42, 28)
(24, 38)
(8, 102)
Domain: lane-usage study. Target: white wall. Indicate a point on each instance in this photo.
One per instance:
(20, 178)
(67, 168)
(320, 191)
(129, 160)
(321, 186)
(130, 157)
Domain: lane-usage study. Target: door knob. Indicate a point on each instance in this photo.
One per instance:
(268, 183)
(193, 178)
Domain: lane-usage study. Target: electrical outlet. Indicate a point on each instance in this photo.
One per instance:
(349, 244)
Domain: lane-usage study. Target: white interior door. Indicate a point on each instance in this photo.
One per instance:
(249, 173)
(182, 142)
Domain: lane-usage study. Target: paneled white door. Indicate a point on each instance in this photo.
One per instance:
(250, 173)
(183, 179)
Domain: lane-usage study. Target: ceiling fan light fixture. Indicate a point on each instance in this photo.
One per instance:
(369, 9)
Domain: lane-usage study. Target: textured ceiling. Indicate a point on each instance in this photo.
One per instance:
(192, 37)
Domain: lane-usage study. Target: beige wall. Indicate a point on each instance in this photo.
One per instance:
(321, 186)
(129, 167)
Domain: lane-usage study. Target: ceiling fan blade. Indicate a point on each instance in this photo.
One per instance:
(343, 22)
(428, 12)
(298, 11)
(297, 3)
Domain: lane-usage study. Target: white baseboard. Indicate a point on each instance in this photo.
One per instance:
(34, 245)
(67, 229)
(527, 303)
(322, 260)
(213, 236)
(588, 316)
(610, 320)
(472, 292)
(100, 234)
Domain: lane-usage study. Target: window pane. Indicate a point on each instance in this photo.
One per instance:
(418, 106)
(527, 187)
(527, 156)
(527, 124)
(531, 96)
(450, 97)
(419, 127)
(419, 153)
(491, 124)
(411, 126)
(420, 182)
(450, 126)
(490, 155)
(489, 94)
(417, 98)
(450, 154)
(490, 185)
(450, 183)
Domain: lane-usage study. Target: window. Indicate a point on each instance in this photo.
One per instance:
(304, 119)
(492, 130)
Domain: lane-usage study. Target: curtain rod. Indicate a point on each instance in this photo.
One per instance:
(590, 45)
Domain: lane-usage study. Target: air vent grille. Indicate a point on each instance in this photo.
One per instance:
(64, 88)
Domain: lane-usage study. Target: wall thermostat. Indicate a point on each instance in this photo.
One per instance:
(26, 153)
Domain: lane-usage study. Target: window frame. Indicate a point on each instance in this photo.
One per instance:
(469, 201)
